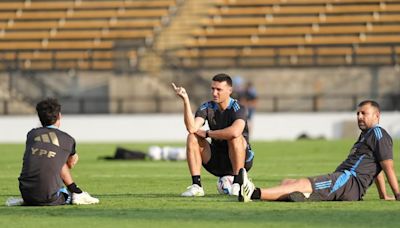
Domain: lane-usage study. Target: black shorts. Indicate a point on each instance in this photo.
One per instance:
(62, 197)
(338, 186)
(220, 164)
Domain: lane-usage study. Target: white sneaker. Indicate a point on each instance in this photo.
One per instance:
(246, 188)
(12, 201)
(193, 190)
(83, 198)
(235, 189)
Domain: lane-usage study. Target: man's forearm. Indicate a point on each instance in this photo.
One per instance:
(224, 134)
(390, 173)
(233, 131)
(392, 180)
(380, 185)
(188, 116)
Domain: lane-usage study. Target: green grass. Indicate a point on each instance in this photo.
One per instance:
(146, 193)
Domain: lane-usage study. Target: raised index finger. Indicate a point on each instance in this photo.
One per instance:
(174, 86)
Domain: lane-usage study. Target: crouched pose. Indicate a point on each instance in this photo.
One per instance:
(229, 149)
(49, 156)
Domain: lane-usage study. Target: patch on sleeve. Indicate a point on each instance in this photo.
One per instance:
(378, 133)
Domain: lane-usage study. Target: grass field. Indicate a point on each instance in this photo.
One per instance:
(146, 193)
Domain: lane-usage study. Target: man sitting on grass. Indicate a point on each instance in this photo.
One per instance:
(49, 156)
(372, 153)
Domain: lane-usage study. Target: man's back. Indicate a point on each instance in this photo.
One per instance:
(46, 151)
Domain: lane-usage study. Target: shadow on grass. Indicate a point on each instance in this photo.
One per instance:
(213, 208)
(157, 195)
(242, 214)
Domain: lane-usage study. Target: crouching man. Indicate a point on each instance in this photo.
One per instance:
(49, 156)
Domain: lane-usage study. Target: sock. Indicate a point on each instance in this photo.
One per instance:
(235, 179)
(256, 194)
(196, 180)
(74, 188)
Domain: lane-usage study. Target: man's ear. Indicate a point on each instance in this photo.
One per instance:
(378, 115)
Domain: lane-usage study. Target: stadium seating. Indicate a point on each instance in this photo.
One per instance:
(41, 34)
(296, 33)
(52, 5)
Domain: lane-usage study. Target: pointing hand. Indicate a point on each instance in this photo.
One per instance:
(180, 91)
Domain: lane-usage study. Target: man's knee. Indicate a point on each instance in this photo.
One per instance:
(304, 185)
(72, 161)
(237, 142)
(287, 181)
(192, 140)
(196, 142)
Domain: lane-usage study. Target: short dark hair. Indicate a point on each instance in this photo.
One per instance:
(370, 102)
(48, 111)
(223, 78)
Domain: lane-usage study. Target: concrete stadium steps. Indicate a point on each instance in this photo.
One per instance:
(48, 27)
(246, 33)
(187, 18)
(180, 27)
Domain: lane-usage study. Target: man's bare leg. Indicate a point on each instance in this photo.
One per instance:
(287, 181)
(198, 151)
(282, 191)
(237, 153)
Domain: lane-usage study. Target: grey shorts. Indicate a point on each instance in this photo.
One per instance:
(338, 186)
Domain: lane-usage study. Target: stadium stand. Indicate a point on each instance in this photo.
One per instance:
(296, 33)
(119, 56)
(83, 35)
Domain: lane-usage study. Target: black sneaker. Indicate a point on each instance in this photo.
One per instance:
(246, 186)
(297, 197)
(300, 197)
(240, 182)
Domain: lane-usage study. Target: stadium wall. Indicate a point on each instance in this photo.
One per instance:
(279, 89)
(335, 85)
(170, 127)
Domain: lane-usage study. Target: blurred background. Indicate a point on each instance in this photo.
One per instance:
(299, 64)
